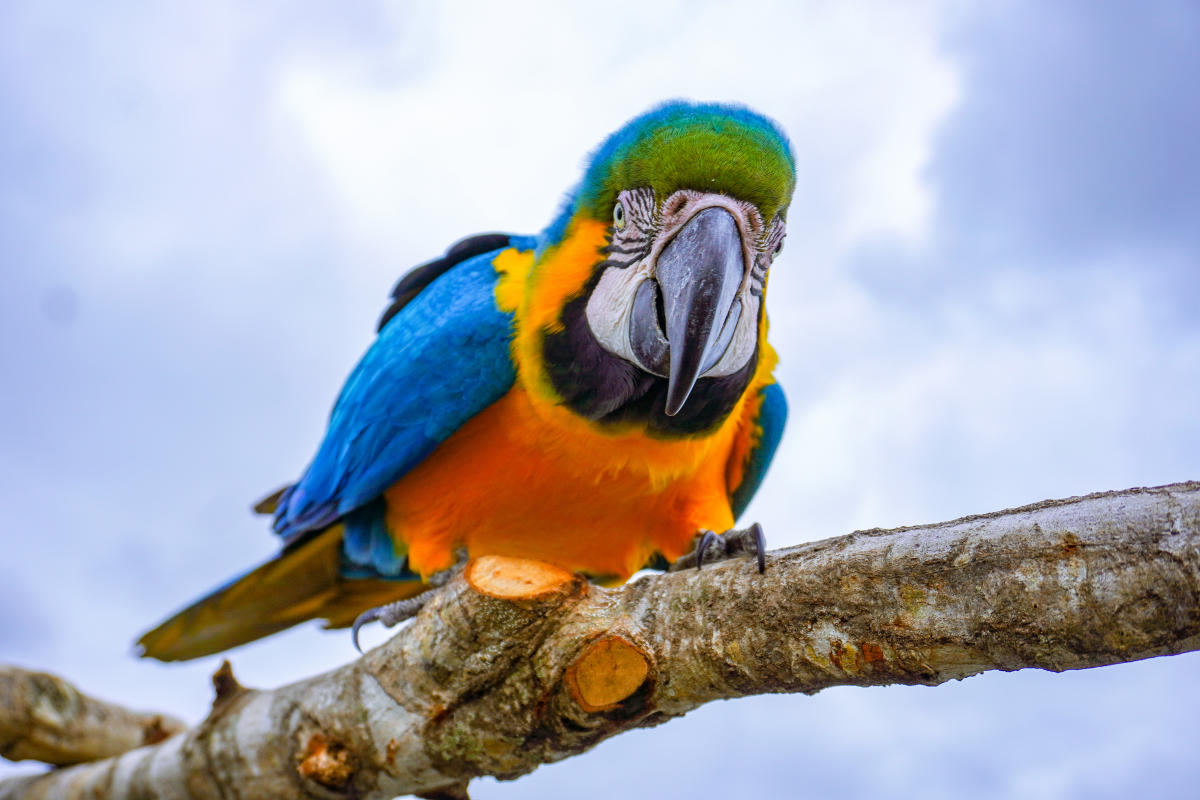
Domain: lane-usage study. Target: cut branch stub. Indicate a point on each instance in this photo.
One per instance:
(507, 578)
(609, 671)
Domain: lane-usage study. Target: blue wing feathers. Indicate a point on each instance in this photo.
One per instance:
(416, 279)
(368, 550)
(441, 359)
(772, 415)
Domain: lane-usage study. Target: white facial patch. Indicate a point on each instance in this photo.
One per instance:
(647, 229)
(745, 337)
(610, 307)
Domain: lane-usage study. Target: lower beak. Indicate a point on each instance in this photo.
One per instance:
(684, 318)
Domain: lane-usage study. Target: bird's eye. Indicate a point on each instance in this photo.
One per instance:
(778, 249)
(619, 215)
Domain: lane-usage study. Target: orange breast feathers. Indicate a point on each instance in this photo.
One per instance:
(529, 478)
(507, 483)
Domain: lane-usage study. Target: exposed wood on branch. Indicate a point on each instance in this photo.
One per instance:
(44, 718)
(515, 664)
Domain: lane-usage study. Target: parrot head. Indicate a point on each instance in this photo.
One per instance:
(670, 234)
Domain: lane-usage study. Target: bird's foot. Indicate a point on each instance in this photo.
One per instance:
(733, 543)
(390, 614)
(393, 614)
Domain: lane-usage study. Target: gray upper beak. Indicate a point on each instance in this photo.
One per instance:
(684, 318)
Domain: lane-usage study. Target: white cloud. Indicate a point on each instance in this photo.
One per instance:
(497, 131)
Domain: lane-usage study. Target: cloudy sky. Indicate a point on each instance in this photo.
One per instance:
(989, 297)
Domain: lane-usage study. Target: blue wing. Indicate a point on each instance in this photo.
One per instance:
(772, 415)
(441, 357)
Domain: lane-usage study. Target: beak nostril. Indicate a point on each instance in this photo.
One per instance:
(674, 205)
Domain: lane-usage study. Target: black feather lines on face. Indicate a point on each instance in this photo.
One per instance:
(605, 388)
(633, 243)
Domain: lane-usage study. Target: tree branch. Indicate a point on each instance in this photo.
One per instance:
(515, 664)
(44, 718)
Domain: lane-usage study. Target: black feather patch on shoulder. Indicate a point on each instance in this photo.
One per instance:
(419, 277)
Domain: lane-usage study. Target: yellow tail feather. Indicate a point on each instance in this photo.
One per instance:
(299, 585)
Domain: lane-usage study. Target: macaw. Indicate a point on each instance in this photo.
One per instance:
(598, 396)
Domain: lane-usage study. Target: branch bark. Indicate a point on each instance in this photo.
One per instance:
(44, 718)
(515, 664)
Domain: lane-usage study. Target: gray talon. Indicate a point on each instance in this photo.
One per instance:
(390, 614)
(707, 541)
(760, 546)
(395, 613)
(711, 548)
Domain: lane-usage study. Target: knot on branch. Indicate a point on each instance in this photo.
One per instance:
(225, 685)
(329, 763)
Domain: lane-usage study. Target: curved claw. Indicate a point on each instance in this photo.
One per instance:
(760, 546)
(389, 614)
(370, 615)
(706, 540)
(711, 547)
